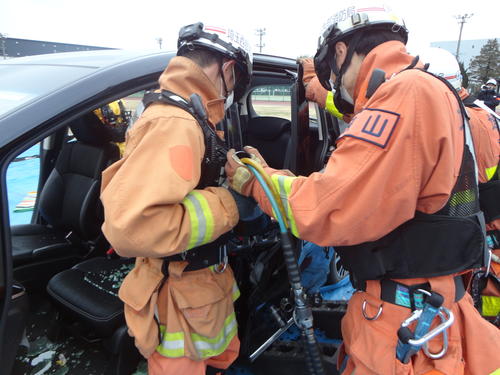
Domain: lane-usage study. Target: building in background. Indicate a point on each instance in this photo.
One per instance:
(468, 49)
(14, 47)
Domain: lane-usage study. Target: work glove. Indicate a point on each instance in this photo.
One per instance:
(308, 68)
(239, 176)
(314, 91)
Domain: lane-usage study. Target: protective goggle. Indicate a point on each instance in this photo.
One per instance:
(324, 60)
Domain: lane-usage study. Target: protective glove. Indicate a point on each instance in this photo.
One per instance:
(317, 93)
(247, 207)
(240, 178)
(308, 68)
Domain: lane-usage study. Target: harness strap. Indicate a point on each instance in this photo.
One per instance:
(200, 257)
(408, 295)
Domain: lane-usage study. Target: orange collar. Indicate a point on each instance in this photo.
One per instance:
(391, 57)
(184, 77)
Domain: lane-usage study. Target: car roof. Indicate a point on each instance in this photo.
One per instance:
(108, 71)
(106, 58)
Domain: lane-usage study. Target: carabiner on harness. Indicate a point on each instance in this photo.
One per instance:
(411, 342)
(374, 317)
(223, 260)
(443, 351)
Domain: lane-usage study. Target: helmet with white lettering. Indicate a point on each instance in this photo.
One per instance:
(347, 22)
(225, 41)
(443, 64)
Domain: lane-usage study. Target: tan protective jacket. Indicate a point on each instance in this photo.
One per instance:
(401, 153)
(153, 210)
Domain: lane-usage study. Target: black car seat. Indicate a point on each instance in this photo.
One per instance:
(68, 205)
(271, 136)
(87, 296)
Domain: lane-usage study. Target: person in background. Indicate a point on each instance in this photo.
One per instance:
(489, 95)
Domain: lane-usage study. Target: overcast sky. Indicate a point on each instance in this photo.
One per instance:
(292, 27)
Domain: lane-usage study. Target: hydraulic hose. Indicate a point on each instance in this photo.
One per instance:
(302, 313)
(249, 162)
(270, 195)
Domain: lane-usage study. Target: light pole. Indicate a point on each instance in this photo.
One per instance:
(160, 41)
(260, 34)
(461, 20)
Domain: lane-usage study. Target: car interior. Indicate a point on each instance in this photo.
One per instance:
(67, 277)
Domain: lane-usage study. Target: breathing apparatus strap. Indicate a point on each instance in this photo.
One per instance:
(215, 149)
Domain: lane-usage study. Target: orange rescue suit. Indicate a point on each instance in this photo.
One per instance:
(380, 174)
(148, 199)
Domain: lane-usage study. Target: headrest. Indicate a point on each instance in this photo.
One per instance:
(90, 130)
(268, 128)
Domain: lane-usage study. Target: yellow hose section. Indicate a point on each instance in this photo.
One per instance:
(270, 184)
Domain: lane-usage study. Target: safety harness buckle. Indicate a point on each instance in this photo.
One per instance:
(411, 342)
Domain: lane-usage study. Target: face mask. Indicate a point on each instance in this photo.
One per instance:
(346, 95)
(342, 100)
(229, 100)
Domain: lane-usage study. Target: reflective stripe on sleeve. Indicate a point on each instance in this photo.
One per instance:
(330, 106)
(201, 218)
(283, 185)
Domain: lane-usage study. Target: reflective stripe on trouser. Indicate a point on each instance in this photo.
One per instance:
(172, 343)
(201, 218)
(283, 185)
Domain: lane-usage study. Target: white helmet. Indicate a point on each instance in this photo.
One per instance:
(491, 81)
(347, 22)
(443, 64)
(225, 41)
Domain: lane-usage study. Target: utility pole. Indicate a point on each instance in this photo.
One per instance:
(160, 41)
(461, 20)
(260, 33)
(3, 37)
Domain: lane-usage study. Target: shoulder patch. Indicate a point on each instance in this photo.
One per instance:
(373, 125)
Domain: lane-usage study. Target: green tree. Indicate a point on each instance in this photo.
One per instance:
(486, 65)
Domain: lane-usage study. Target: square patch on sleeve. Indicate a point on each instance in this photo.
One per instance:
(375, 126)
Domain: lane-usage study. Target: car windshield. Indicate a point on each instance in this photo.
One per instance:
(20, 83)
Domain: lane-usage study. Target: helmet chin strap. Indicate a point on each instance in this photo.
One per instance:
(343, 105)
(224, 85)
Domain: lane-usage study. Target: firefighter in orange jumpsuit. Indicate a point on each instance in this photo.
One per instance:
(163, 205)
(398, 199)
(485, 134)
(485, 288)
